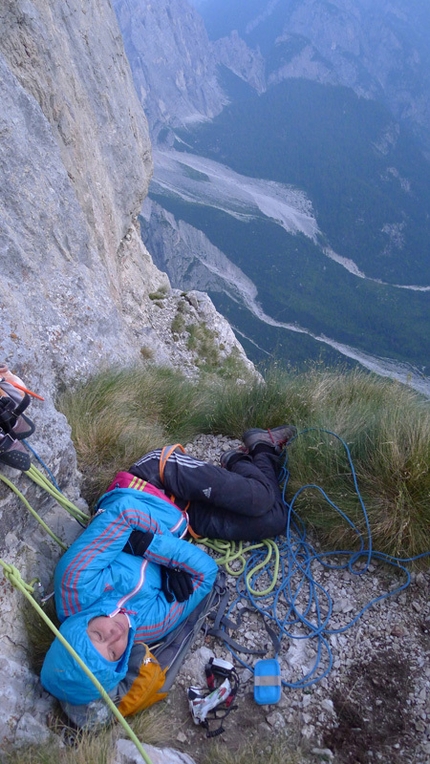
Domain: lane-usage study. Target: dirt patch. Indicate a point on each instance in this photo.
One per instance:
(372, 708)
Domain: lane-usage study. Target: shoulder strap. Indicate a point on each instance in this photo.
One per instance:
(166, 453)
(220, 620)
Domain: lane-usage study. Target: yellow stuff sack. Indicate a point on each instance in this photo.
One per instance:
(145, 689)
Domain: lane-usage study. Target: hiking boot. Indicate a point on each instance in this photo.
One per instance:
(12, 421)
(226, 457)
(277, 437)
(13, 453)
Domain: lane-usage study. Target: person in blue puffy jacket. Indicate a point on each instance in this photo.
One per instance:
(107, 598)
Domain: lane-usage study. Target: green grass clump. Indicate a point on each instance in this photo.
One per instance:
(386, 427)
(160, 294)
(250, 753)
(39, 634)
(119, 415)
(204, 342)
(238, 407)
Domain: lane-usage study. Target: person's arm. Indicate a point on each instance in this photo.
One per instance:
(163, 614)
(83, 572)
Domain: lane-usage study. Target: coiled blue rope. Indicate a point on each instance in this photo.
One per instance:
(299, 607)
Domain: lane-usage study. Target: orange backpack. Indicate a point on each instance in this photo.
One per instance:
(145, 690)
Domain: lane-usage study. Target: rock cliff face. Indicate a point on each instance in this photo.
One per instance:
(75, 164)
(175, 66)
(243, 61)
(173, 69)
(376, 48)
(188, 255)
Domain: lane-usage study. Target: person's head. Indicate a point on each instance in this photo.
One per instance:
(61, 674)
(109, 635)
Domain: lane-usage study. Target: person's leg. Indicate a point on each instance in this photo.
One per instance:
(241, 502)
(256, 521)
(248, 487)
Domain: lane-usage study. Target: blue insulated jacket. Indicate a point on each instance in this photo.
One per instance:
(95, 577)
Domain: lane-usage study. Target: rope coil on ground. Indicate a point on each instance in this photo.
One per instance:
(280, 585)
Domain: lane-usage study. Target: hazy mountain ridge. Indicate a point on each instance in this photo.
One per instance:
(245, 62)
(378, 48)
(170, 56)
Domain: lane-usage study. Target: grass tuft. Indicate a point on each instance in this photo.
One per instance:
(386, 427)
(83, 747)
(277, 753)
(119, 415)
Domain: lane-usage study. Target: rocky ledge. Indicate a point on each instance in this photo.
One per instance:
(373, 703)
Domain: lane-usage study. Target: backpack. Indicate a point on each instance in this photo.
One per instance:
(148, 680)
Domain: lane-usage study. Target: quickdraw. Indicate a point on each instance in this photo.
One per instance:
(214, 702)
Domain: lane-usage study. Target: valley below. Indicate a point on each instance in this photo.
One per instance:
(187, 184)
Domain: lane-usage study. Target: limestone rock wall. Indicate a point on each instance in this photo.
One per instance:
(170, 55)
(75, 164)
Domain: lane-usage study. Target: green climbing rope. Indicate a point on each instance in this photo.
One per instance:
(39, 478)
(33, 511)
(235, 552)
(44, 483)
(14, 577)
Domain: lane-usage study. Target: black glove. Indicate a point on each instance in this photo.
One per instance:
(138, 542)
(176, 584)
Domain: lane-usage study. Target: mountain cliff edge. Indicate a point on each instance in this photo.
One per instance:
(76, 286)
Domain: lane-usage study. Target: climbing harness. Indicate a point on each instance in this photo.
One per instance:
(215, 701)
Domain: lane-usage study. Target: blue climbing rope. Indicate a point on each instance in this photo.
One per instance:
(42, 464)
(298, 607)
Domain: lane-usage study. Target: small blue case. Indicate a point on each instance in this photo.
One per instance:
(267, 682)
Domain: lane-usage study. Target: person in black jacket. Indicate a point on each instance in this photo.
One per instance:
(241, 500)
